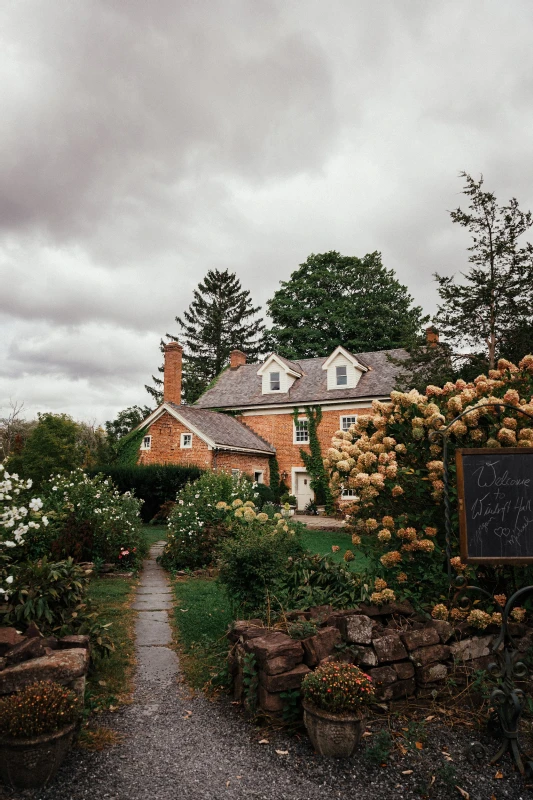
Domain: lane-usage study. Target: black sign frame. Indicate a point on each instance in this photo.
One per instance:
(463, 521)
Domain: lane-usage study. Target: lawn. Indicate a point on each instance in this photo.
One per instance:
(109, 681)
(155, 533)
(321, 542)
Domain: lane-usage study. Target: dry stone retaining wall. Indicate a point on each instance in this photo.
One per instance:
(405, 654)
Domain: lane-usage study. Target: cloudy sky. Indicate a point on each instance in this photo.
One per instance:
(143, 143)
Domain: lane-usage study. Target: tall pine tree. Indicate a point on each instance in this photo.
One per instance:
(221, 318)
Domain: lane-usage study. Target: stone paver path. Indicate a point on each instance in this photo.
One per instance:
(323, 523)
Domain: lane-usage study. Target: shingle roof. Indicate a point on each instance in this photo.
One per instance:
(239, 388)
(223, 430)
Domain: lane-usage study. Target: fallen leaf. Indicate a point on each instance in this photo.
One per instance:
(264, 741)
(463, 793)
(419, 745)
(493, 797)
(428, 719)
(282, 752)
(367, 733)
(227, 784)
(432, 781)
(102, 683)
(188, 715)
(448, 758)
(407, 772)
(499, 774)
(184, 610)
(239, 777)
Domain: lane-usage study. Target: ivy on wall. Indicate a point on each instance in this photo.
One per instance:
(313, 461)
(128, 448)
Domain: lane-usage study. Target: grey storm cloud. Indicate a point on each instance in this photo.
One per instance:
(143, 143)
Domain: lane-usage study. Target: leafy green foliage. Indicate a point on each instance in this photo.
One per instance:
(378, 753)
(302, 629)
(202, 516)
(496, 297)
(250, 679)
(333, 300)
(154, 484)
(251, 563)
(42, 707)
(53, 446)
(313, 460)
(125, 452)
(123, 424)
(276, 484)
(338, 687)
(313, 580)
(53, 595)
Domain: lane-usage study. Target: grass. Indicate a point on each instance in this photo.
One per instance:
(154, 533)
(109, 680)
(317, 541)
(202, 616)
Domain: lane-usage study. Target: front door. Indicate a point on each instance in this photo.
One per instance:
(304, 493)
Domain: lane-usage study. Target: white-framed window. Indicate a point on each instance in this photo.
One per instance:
(347, 421)
(275, 382)
(301, 432)
(349, 493)
(146, 443)
(186, 441)
(235, 473)
(341, 374)
(259, 476)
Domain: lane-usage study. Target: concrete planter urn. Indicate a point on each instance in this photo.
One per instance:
(32, 763)
(336, 735)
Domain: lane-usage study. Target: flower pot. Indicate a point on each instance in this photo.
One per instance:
(334, 735)
(32, 763)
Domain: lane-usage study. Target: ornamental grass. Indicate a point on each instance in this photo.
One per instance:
(43, 707)
(338, 688)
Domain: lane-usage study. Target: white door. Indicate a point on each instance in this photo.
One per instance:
(304, 493)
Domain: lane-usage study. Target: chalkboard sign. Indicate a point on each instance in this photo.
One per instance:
(495, 492)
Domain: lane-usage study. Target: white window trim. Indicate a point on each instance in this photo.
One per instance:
(294, 439)
(349, 493)
(346, 416)
(146, 446)
(235, 473)
(345, 376)
(270, 374)
(184, 446)
(261, 474)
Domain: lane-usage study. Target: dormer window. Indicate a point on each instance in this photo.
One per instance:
(342, 375)
(275, 383)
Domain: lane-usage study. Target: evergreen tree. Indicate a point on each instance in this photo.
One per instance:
(427, 363)
(333, 300)
(221, 318)
(486, 312)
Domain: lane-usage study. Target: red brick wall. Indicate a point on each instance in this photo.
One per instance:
(166, 433)
(278, 430)
(245, 462)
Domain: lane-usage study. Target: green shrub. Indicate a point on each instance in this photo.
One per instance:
(42, 707)
(338, 687)
(154, 484)
(302, 629)
(313, 580)
(108, 521)
(264, 495)
(53, 595)
(251, 564)
(198, 520)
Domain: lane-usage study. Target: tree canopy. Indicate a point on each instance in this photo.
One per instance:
(333, 300)
(489, 311)
(221, 318)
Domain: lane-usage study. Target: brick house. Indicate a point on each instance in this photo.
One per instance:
(259, 401)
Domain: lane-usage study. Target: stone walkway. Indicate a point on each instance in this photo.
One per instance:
(321, 523)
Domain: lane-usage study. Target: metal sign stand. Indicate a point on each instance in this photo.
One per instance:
(507, 700)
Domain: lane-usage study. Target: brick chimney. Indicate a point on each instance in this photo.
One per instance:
(432, 336)
(172, 378)
(237, 359)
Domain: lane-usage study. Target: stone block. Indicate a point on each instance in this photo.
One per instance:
(269, 701)
(431, 673)
(32, 631)
(320, 612)
(444, 629)
(404, 670)
(474, 647)
(357, 629)
(250, 627)
(389, 648)
(74, 640)
(276, 652)
(319, 646)
(8, 638)
(421, 638)
(284, 681)
(428, 655)
(382, 676)
(364, 656)
(63, 666)
(403, 607)
(336, 617)
(393, 691)
(3, 662)
(50, 642)
(24, 650)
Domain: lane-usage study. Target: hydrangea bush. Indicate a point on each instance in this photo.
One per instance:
(387, 456)
(21, 514)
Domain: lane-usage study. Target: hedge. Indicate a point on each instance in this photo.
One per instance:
(154, 483)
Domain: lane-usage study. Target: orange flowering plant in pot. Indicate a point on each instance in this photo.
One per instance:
(335, 697)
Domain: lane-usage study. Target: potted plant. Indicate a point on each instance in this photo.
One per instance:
(335, 697)
(288, 505)
(37, 725)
